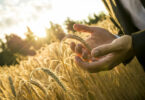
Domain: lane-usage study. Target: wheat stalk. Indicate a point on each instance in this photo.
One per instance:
(37, 94)
(36, 83)
(27, 86)
(3, 93)
(54, 77)
(29, 90)
(12, 86)
(21, 82)
(51, 74)
(79, 39)
(1, 83)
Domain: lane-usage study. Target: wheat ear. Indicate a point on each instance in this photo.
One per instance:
(36, 83)
(77, 38)
(51, 74)
(12, 86)
(37, 94)
(54, 77)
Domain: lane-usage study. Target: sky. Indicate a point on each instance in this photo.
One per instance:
(16, 15)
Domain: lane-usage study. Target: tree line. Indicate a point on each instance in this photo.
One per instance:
(14, 48)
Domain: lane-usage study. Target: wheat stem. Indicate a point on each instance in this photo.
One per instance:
(37, 94)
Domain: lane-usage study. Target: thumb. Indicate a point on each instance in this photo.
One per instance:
(104, 49)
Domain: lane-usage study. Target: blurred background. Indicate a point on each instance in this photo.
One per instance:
(36, 65)
(28, 25)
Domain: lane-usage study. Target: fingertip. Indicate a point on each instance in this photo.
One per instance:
(85, 54)
(75, 26)
(82, 28)
(81, 63)
(78, 48)
(95, 53)
(77, 58)
(72, 46)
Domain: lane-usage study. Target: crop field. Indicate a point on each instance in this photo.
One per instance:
(53, 75)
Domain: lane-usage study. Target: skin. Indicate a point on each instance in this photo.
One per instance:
(107, 50)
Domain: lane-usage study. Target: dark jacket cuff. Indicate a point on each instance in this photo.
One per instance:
(138, 42)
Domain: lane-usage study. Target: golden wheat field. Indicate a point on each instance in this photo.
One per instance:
(53, 75)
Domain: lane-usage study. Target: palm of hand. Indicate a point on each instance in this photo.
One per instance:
(99, 36)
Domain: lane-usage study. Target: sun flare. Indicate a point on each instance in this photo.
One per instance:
(17, 15)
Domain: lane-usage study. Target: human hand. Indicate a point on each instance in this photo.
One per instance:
(113, 54)
(98, 37)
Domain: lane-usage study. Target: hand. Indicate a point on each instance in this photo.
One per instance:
(99, 36)
(113, 54)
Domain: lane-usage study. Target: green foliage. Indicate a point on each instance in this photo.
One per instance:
(17, 45)
(54, 33)
(69, 24)
(6, 56)
(95, 19)
(91, 20)
(33, 41)
(14, 48)
(30, 35)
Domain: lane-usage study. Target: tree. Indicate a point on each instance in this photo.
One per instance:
(29, 34)
(17, 45)
(91, 20)
(69, 24)
(6, 56)
(54, 33)
(95, 19)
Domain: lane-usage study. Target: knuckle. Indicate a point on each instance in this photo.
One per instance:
(84, 55)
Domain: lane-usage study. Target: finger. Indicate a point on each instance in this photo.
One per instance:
(82, 28)
(85, 54)
(100, 65)
(78, 49)
(93, 59)
(81, 63)
(105, 49)
(72, 46)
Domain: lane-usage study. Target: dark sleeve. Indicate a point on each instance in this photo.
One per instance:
(138, 42)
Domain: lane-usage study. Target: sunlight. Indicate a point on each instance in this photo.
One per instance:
(16, 16)
(38, 31)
